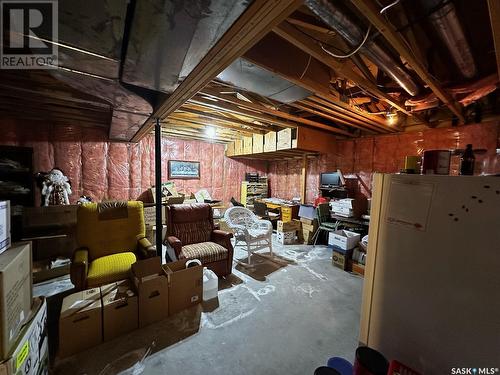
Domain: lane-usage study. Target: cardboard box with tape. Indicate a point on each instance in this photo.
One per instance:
(288, 226)
(15, 294)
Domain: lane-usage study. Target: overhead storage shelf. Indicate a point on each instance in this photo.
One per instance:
(287, 143)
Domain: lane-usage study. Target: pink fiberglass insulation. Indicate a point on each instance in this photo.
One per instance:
(134, 154)
(118, 171)
(94, 165)
(358, 159)
(68, 155)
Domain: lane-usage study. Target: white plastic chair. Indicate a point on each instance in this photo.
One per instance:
(248, 228)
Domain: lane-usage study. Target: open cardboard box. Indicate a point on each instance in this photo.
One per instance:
(119, 309)
(80, 323)
(152, 288)
(185, 285)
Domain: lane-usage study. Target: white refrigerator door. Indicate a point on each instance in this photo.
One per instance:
(432, 285)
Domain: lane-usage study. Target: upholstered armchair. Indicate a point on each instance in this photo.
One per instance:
(111, 237)
(191, 233)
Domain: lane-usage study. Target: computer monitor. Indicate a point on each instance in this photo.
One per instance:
(332, 179)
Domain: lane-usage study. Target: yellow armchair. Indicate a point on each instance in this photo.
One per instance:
(111, 237)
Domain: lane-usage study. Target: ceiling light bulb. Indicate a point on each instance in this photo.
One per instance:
(210, 132)
(392, 117)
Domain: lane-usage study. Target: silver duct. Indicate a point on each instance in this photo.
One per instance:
(447, 25)
(350, 31)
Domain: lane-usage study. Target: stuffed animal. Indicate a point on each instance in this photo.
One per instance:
(56, 188)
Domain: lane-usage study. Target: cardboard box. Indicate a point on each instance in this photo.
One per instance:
(230, 149)
(357, 268)
(15, 294)
(258, 143)
(270, 142)
(80, 322)
(310, 228)
(286, 238)
(340, 258)
(185, 285)
(285, 137)
(119, 309)
(247, 145)
(307, 237)
(4, 225)
(307, 221)
(152, 288)
(224, 226)
(150, 215)
(30, 353)
(238, 147)
(343, 239)
(288, 226)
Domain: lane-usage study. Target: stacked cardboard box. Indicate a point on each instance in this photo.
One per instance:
(343, 243)
(343, 207)
(287, 231)
(154, 293)
(30, 353)
(309, 227)
(23, 331)
(15, 294)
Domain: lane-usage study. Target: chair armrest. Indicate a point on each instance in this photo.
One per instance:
(145, 248)
(79, 268)
(176, 244)
(221, 237)
(263, 225)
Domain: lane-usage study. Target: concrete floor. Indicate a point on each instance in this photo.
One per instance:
(284, 316)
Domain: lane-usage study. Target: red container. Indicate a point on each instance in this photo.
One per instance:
(397, 368)
(369, 362)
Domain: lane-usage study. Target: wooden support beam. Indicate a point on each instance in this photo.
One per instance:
(256, 21)
(240, 103)
(494, 8)
(303, 180)
(369, 9)
(196, 127)
(337, 120)
(254, 128)
(310, 46)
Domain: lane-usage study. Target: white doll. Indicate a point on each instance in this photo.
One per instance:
(56, 188)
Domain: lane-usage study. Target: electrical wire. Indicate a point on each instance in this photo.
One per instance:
(307, 67)
(389, 6)
(353, 51)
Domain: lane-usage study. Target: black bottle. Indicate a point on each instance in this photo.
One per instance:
(467, 162)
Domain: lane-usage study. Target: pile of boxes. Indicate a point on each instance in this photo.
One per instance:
(287, 231)
(309, 224)
(23, 320)
(153, 293)
(343, 242)
(343, 207)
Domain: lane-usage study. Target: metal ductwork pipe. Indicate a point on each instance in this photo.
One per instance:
(447, 25)
(353, 34)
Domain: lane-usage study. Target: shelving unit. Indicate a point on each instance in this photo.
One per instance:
(250, 191)
(17, 183)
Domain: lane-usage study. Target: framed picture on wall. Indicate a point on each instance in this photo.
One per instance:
(183, 169)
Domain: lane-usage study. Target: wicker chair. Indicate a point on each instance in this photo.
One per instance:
(248, 228)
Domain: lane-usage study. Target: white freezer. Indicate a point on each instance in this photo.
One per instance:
(431, 297)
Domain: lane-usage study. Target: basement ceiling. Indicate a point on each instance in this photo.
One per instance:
(247, 67)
